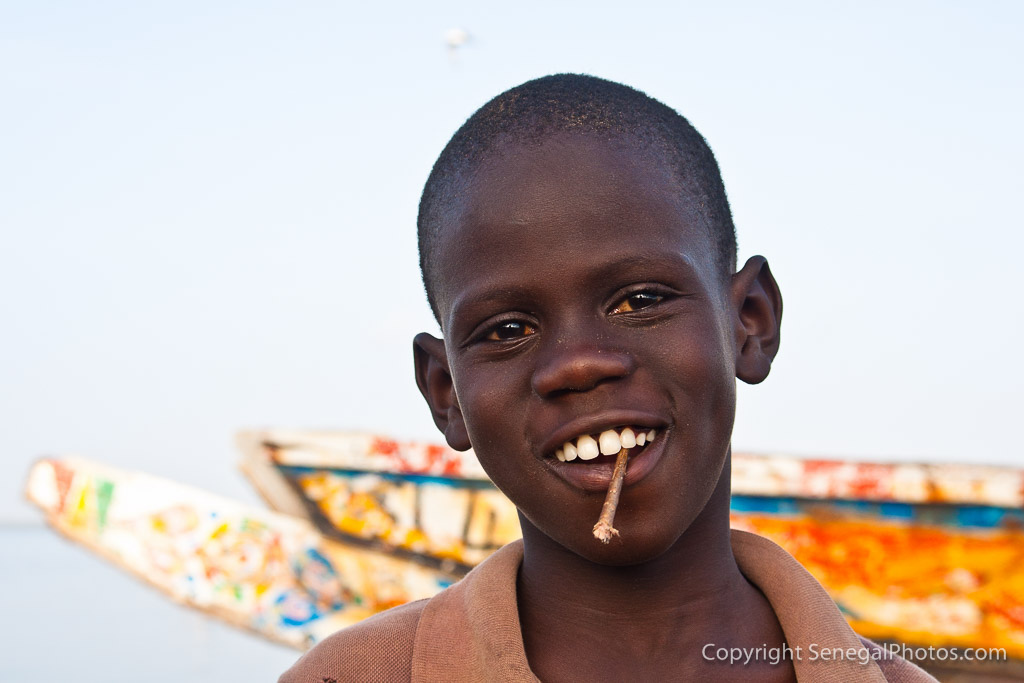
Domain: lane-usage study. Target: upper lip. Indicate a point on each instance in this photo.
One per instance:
(597, 423)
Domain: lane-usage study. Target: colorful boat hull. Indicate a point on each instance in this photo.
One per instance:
(927, 555)
(267, 572)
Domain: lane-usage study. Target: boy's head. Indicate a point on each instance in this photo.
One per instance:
(577, 104)
(579, 254)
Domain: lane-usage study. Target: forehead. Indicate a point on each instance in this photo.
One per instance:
(527, 208)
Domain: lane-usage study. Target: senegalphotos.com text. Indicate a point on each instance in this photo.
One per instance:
(819, 653)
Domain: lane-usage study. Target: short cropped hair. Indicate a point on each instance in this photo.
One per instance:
(562, 103)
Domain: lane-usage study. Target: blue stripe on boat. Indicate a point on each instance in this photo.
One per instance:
(939, 514)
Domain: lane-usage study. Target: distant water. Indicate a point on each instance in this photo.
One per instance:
(66, 615)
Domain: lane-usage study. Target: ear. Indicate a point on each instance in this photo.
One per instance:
(435, 382)
(757, 304)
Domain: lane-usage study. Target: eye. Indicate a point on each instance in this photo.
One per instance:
(512, 329)
(637, 301)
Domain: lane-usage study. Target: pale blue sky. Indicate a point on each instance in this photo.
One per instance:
(208, 212)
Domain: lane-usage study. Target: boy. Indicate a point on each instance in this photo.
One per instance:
(578, 251)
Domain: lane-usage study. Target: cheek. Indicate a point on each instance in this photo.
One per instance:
(701, 372)
(715, 399)
(493, 408)
(700, 361)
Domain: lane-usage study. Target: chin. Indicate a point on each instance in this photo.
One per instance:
(636, 544)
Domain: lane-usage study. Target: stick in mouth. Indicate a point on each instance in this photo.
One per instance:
(603, 530)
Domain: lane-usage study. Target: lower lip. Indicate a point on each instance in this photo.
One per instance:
(598, 476)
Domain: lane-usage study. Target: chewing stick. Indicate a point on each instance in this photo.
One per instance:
(603, 530)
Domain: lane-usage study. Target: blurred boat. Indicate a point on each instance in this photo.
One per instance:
(267, 572)
(924, 555)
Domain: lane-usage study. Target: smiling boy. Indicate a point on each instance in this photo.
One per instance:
(579, 254)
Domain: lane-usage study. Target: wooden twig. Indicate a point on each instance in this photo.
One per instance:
(603, 530)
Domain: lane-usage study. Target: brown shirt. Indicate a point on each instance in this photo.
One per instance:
(470, 631)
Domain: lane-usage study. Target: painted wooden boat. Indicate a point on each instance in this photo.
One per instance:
(927, 555)
(264, 571)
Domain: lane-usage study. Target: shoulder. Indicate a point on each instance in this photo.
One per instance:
(378, 649)
(895, 668)
(809, 616)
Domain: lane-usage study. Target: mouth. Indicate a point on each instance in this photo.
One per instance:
(587, 460)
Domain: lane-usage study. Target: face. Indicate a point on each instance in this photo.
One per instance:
(579, 296)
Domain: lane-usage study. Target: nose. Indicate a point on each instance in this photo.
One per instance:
(579, 366)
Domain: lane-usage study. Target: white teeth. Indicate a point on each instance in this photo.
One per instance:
(610, 444)
(587, 448)
(570, 452)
